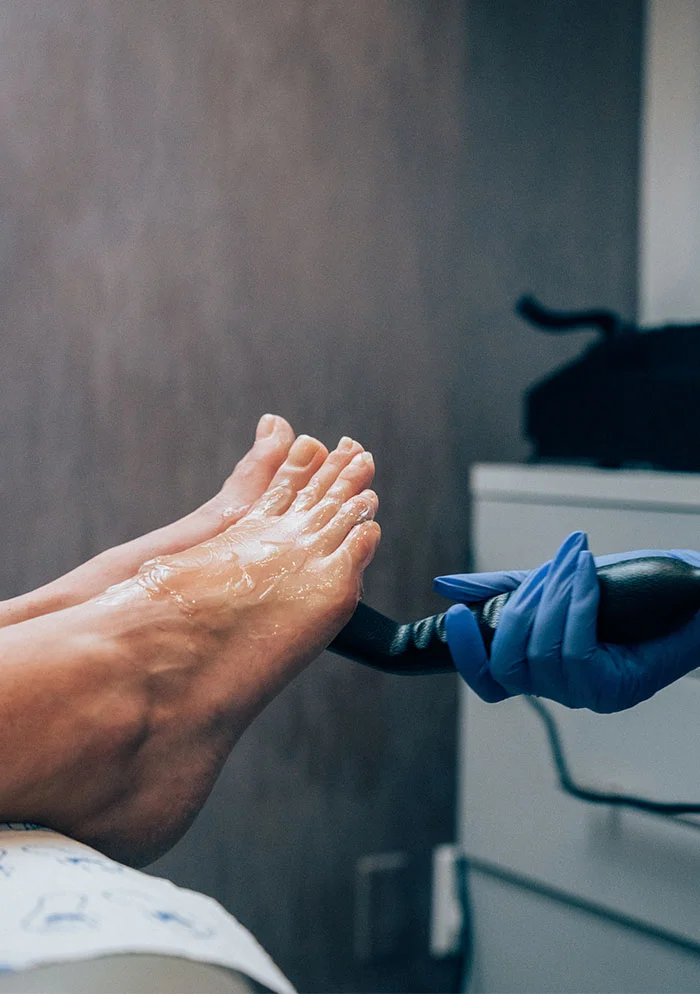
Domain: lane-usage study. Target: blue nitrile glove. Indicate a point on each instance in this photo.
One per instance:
(545, 642)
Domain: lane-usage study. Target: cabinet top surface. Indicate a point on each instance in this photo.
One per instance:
(522, 483)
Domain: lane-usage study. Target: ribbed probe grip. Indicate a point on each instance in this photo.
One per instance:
(375, 640)
(640, 599)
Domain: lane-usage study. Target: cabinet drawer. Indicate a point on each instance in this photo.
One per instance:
(514, 815)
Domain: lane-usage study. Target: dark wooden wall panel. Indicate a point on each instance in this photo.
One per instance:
(210, 209)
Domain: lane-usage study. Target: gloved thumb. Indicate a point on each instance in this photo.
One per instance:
(467, 588)
(469, 655)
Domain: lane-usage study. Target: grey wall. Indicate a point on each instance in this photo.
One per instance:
(213, 209)
(551, 179)
(670, 169)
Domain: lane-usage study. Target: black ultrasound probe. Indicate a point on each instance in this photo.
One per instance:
(640, 599)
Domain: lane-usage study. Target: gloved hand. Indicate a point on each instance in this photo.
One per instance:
(545, 642)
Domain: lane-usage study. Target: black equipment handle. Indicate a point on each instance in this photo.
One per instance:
(640, 599)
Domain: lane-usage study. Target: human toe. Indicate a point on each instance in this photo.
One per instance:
(351, 481)
(253, 473)
(359, 508)
(359, 546)
(327, 475)
(305, 456)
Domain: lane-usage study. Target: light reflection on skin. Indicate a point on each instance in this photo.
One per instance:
(244, 563)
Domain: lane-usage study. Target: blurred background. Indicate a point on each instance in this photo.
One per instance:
(210, 209)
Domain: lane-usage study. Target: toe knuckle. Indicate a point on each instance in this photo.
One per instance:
(350, 593)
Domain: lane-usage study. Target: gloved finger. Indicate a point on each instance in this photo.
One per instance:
(687, 555)
(580, 634)
(469, 655)
(545, 646)
(509, 662)
(470, 587)
(589, 669)
(667, 659)
(613, 678)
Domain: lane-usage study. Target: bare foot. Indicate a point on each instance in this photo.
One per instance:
(247, 482)
(218, 630)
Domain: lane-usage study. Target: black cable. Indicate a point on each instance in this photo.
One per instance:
(569, 785)
(609, 323)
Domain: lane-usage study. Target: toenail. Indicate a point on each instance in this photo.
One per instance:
(363, 459)
(303, 451)
(365, 510)
(266, 426)
(345, 444)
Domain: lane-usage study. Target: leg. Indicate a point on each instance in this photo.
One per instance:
(248, 481)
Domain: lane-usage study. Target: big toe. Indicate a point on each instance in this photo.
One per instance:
(253, 474)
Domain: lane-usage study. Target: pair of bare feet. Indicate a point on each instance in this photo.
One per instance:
(276, 462)
(206, 619)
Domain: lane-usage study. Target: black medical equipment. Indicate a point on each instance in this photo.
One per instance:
(640, 599)
(631, 398)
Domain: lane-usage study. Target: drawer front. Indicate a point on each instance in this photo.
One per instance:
(527, 942)
(514, 815)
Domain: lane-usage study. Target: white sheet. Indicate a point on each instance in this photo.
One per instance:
(62, 901)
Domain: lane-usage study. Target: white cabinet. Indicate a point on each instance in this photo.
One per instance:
(569, 896)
